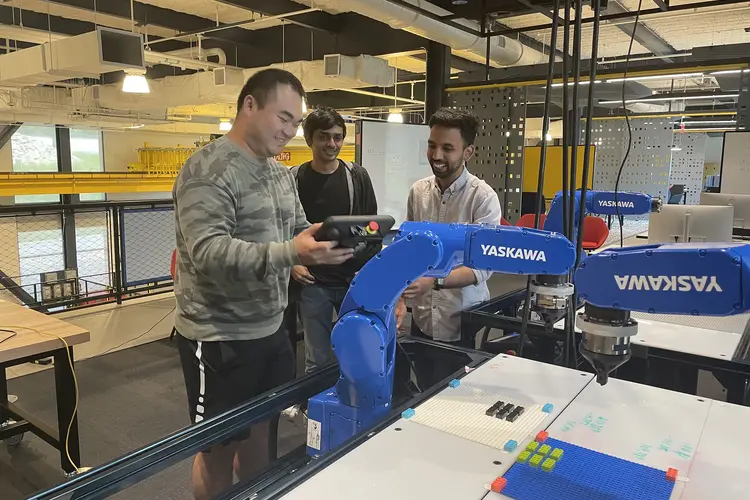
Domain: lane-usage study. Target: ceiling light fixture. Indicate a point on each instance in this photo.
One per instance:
(548, 137)
(395, 116)
(712, 122)
(730, 72)
(135, 82)
(300, 132)
(225, 125)
(654, 77)
(304, 107)
(683, 98)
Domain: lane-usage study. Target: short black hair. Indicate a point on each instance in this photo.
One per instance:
(263, 84)
(466, 122)
(322, 118)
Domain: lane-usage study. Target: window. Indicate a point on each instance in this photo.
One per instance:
(86, 156)
(92, 252)
(40, 250)
(34, 149)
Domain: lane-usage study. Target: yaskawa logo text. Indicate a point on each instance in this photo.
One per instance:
(668, 283)
(514, 253)
(621, 204)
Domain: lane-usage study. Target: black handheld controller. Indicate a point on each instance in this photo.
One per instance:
(352, 231)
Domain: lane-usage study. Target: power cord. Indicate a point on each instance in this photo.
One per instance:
(15, 329)
(142, 334)
(620, 220)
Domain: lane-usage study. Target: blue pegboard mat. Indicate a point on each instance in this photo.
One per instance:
(583, 474)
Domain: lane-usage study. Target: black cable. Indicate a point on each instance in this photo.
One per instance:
(565, 118)
(542, 165)
(575, 140)
(142, 334)
(587, 139)
(627, 119)
(565, 158)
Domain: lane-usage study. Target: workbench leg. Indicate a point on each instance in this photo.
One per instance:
(3, 396)
(66, 406)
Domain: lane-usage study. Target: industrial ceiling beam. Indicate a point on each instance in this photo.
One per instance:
(662, 4)
(322, 21)
(643, 34)
(624, 15)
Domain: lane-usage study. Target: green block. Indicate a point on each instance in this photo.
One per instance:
(548, 465)
(536, 460)
(557, 454)
(523, 457)
(532, 446)
(545, 449)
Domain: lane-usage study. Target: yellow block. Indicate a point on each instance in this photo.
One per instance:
(553, 170)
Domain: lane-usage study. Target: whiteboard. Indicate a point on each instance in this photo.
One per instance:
(735, 163)
(147, 242)
(395, 156)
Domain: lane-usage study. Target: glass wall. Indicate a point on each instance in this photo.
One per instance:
(34, 149)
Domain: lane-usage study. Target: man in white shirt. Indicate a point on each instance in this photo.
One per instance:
(452, 194)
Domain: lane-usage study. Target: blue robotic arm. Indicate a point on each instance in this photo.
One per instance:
(602, 203)
(699, 279)
(364, 337)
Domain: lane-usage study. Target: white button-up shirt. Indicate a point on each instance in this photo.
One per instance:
(469, 200)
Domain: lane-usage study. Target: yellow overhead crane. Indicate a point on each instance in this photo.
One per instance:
(155, 172)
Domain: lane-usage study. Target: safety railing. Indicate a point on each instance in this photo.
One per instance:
(55, 256)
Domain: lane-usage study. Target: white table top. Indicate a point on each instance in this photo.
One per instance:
(704, 342)
(420, 462)
(704, 440)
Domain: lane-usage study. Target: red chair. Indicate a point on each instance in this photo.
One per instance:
(595, 232)
(504, 222)
(527, 220)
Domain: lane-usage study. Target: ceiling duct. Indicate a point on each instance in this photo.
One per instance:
(223, 85)
(83, 56)
(504, 51)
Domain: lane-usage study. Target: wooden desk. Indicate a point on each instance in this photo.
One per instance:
(26, 346)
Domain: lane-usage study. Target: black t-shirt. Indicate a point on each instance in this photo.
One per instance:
(323, 195)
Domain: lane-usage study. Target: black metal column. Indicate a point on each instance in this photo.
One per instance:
(438, 75)
(67, 418)
(743, 102)
(65, 164)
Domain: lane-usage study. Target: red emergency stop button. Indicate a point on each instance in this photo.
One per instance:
(372, 227)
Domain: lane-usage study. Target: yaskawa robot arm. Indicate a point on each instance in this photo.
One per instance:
(364, 337)
(699, 279)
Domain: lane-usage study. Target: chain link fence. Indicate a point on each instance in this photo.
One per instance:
(54, 256)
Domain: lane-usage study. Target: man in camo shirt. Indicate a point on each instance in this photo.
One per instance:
(236, 212)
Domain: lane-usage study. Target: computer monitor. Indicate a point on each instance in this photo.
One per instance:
(691, 224)
(741, 204)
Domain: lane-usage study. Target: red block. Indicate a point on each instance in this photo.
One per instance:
(672, 475)
(498, 484)
(541, 437)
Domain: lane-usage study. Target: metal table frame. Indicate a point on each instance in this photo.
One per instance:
(65, 389)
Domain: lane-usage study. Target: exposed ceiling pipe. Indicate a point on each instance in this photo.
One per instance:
(503, 50)
(201, 54)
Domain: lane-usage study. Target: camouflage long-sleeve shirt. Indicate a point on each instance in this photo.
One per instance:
(235, 218)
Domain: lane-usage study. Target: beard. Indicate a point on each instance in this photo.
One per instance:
(446, 171)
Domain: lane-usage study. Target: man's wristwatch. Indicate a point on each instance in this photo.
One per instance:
(438, 283)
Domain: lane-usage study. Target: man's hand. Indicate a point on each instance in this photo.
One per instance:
(302, 275)
(400, 312)
(419, 288)
(319, 252)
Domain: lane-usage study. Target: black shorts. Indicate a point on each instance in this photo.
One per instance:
(222, 375)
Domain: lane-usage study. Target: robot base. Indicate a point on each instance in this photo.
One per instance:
(331, 423)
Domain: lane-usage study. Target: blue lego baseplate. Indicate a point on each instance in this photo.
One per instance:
(583, 474)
